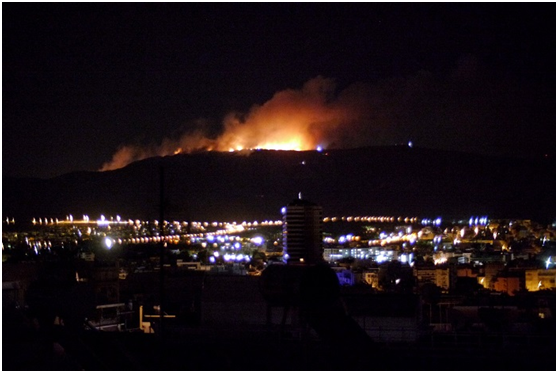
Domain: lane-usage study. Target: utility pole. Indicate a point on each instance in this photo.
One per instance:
(161, 249)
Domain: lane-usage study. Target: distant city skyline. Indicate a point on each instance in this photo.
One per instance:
(95, 86)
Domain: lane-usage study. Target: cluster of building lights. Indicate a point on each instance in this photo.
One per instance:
(222, 242)
(228, 247)
(476, 220)
(379, 255)
(371, 219)
(436, 222)
(209, 227)
(103, 221)
(395, 239)
(38, 245)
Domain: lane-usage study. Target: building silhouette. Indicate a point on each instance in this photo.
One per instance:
(302, 232)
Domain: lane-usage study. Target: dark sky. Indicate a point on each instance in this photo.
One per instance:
(81, 80)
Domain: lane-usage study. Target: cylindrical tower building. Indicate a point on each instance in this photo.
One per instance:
(302, 232)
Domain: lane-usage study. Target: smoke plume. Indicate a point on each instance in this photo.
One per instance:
(293, 119)
(467, 109)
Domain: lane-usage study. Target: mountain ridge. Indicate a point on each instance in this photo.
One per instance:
(211, 186)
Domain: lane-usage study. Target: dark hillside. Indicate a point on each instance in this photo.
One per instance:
(232, 186)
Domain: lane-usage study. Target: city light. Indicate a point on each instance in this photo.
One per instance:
(380, 241)
(258, 240)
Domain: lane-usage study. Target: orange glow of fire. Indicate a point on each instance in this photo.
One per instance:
(309, 118)
(296, 143)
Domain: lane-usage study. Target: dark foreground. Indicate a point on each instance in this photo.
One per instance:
(248, 348)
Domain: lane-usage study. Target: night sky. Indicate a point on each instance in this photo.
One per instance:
(82, 80)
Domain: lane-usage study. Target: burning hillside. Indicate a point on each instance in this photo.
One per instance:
(294, 119)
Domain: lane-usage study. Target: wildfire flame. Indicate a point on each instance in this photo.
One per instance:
(305, 119)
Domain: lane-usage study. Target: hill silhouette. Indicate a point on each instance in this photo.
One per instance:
(210, 186)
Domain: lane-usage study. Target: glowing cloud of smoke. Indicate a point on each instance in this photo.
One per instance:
(293, 119)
